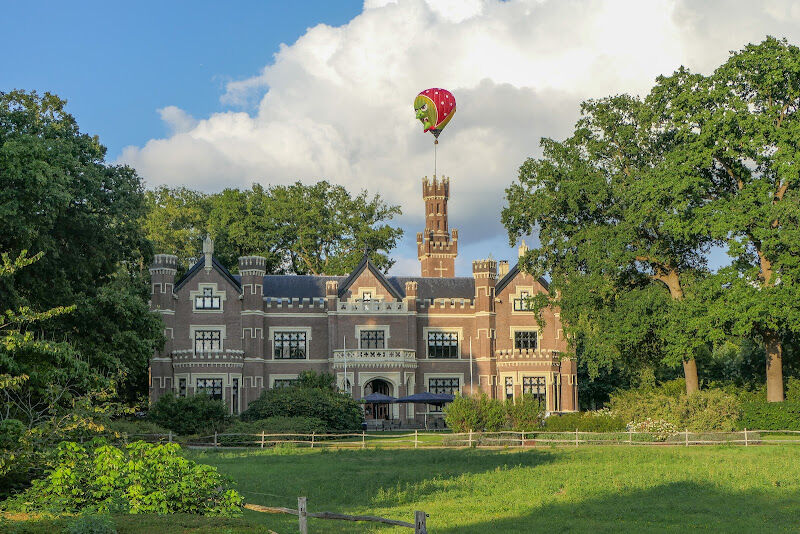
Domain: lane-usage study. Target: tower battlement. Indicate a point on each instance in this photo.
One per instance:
(437, 246)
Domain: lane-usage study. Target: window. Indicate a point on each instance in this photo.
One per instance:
(211, 386)
(366, 296)
(509, 387)
(207, 301)
(207, 340)
(289, 345)
(525, 339)
(523, 303)
(181, 387)
(235, 395)
(442, 385)
(372, 339)
(536, 387)
(442, 344)
(284, 382)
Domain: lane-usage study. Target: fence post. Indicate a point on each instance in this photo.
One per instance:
(301, 515)
(215, 438)
(170, 436)
(630, 436)
(687, 437)
(522, 439)
(745, 437)
(469, 443)
(262, 439)
(363, 439)
(416, 438)
(312, 439)
(576, 437)
(420, 526)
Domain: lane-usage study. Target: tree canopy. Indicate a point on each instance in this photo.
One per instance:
(303, 229)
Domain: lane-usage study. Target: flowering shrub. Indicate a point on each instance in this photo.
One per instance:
(141, 478)
(661, 430)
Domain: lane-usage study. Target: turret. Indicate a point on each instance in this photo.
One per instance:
(485, 274)
(162, 280)
(252, 270)
(436, 247)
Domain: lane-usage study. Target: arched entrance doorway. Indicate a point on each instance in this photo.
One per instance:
(377, 411)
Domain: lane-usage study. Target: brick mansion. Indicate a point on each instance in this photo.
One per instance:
(233, 336)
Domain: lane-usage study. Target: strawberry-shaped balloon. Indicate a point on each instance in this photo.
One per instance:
(434, 108)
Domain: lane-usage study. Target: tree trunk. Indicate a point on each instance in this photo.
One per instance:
(772, 343)
(690, 372)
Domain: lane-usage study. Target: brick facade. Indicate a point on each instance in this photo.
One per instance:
(234, 336)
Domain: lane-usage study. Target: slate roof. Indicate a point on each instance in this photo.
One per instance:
(235, 280)
(462, 287)
(514, 271)
(297, 285)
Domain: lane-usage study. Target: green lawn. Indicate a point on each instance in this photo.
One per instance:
(586, 489)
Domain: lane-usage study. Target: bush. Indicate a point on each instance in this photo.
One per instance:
(482, 414)
(585, 422)
(140, 478)
(91, 524)
(711, 409)
(189, 415)
(134, 427)
(272, 425)
(337, 410)
(763, 415)
(661, 430)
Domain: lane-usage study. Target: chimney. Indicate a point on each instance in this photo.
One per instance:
(502, 268)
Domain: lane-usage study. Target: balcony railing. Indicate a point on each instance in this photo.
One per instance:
(372, 306)
(186, 355)
(368, 357)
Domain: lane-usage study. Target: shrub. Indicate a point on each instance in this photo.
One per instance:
(134, 427)
(711, 409)
(337, 410)
(91, 524)
(272, 425)
(584, 422)
(763, 415)
(482, 414)
(189, 415)
(661, 430)
(525, 414)
(140, 478)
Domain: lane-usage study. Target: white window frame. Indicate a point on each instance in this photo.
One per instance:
(444, 329)
(275, 329)
(384, 327)
(214, 291)
(514, 329)
(222, 335)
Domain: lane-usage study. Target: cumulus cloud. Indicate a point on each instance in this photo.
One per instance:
(337, 103)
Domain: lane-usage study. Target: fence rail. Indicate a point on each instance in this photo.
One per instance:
(419, 440)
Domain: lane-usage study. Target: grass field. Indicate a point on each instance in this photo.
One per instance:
(589, 489)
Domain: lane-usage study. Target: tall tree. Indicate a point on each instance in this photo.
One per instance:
(615, 206)
(59, 197)
(303, 229)
(747, 125)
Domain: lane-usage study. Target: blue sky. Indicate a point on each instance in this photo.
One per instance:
(118, 62)
(210, 95)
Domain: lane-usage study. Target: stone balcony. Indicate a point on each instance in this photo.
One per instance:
(528, 354)
(214, 358)
(404, 358)
(371, 306)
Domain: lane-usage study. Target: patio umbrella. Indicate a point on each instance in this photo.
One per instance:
(378, 398)
(436, 399)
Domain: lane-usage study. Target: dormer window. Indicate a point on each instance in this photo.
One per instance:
(366, 296)
(207, 301)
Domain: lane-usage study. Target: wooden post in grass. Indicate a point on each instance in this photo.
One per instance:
(416, 438)
(363, 439)
(170, 436)
(576, 437)
(687, 437)
(262, 439)
(469, 443)
(420, 524)
(745, 437)
(301, 515)
(630, 436)
(522, 439)
(312, 439)
(215, 438)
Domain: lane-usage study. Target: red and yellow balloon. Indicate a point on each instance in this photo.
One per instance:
(434, 108)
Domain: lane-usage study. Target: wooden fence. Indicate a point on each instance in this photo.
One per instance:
(419, 525)
(419, 440)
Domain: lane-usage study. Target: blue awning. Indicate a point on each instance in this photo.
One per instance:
(378, 398)
(427, 398)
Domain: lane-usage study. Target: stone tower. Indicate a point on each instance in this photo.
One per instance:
(437, 247)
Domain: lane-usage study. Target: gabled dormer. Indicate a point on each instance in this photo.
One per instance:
(367, 283)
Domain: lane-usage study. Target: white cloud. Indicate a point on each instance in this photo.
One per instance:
(337, 104)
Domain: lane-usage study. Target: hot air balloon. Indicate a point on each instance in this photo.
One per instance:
(434, 108)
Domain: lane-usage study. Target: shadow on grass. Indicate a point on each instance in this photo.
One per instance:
(673, 507)
(365, 477)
